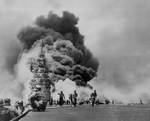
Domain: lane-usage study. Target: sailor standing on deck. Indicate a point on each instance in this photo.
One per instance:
(70, 98)
(93, 97)
(61, 98)
(74, 96)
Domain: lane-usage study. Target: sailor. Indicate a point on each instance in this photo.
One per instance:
(93, 97)
(70, 98)
(19, 107)
(141, 102)
(74, 96)
(61, 98)
(51, 101)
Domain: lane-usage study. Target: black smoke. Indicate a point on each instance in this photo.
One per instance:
(62, 37)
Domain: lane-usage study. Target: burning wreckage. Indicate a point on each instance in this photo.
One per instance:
(63, 55)
(42, 85)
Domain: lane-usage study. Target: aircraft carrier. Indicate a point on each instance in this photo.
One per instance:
(40, 87)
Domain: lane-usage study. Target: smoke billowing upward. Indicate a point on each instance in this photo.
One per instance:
(64, 46)
(117, 32)
(63, 27)
(12, 57)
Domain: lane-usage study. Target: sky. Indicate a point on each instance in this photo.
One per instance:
(116, 31)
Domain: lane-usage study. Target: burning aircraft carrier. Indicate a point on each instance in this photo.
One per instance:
(54, 51)
(59, 54)
(62, 55)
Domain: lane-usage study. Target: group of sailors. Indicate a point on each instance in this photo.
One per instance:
(19, 110)
(73, 99)
(12, 113)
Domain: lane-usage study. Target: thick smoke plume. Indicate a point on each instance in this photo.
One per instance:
(84, 93)
(117, 32)
(67, 56)
(64, 27)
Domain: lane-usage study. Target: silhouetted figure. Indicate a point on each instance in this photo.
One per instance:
(141, 102)
(61, 98)
(74, 98)
(19, 107)
(70, 98)
(51, 101)
(93, 97)
(113, 102)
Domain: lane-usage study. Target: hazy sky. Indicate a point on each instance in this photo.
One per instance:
(116, 31)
